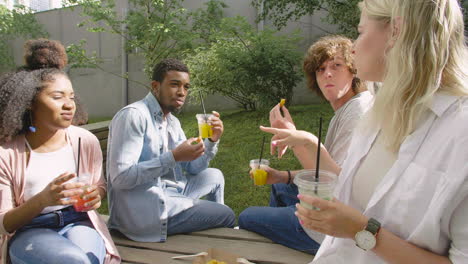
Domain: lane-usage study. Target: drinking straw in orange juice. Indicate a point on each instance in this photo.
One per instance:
(86, 179)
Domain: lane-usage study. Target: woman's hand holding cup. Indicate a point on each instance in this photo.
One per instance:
(59, 192)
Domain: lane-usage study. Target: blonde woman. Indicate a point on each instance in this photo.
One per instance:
(402, 195)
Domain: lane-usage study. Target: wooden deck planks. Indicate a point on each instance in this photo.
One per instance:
(258, 252)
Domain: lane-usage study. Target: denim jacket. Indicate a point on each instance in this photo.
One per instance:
(137, 165)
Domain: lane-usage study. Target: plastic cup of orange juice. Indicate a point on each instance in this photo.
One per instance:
(79, 205)
(259, 174)
(205, 129)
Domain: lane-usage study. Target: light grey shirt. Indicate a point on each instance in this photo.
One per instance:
(138, 169)
(342, 125)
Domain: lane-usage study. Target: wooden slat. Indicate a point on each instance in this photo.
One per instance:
(230, 233)
(96, 127)
(254, 251)
(103, 144)
(144, 256)
(136, 255)
(104, 134)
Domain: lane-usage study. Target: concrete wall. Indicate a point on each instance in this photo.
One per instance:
(104, 93)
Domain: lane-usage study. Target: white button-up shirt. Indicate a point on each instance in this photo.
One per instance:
(423, 198)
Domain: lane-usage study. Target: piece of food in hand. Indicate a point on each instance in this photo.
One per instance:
(198, 140)
(282, 102)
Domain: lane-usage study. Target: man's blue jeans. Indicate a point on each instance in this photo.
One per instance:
(278, 222)
(204, 214)
(63, 236)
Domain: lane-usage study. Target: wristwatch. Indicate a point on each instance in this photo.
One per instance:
(366, 239)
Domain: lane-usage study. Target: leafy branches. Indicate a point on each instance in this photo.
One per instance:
(343, 13)
(19, 22)
(154, 29)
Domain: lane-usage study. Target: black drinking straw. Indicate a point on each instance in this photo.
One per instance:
(317, 166)
(261, 152)
(203, 105)
(79, 152)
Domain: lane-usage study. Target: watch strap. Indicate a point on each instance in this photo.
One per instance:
(373, 226)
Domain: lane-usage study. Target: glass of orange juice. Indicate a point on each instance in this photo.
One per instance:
(259, 174)
(205, 129)
(79, 205)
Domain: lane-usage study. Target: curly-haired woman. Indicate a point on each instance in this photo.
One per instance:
(38, 159)
(45, 53)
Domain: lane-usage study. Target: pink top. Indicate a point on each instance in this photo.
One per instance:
(12, 178)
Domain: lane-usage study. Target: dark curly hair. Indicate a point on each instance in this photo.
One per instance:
(160, 70)
(324, 49)
(45, 53)
(18, 91)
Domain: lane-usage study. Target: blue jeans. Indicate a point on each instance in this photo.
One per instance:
(203, 214)
(62, 236)
(278, 222)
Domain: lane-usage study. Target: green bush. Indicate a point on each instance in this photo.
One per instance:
(255, 69)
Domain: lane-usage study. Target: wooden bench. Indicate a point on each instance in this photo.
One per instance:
(101, 131)
(249, 245)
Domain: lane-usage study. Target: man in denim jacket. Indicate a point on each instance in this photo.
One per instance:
(155, 174)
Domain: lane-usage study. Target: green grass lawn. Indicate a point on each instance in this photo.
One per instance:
(241, 142)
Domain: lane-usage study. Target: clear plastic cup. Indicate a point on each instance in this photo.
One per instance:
(260, 176)
(79, 205)
(323, 187)
(205, 129)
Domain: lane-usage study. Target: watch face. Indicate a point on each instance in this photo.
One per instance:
(365, 240)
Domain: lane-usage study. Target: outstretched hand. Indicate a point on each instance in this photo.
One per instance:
(277, 120)
(291, 138)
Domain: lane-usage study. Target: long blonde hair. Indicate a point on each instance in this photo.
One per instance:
(429, 55)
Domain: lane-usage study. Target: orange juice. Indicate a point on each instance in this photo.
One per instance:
(79, 205)
(260, 176)
(258, 172)
(205, 130)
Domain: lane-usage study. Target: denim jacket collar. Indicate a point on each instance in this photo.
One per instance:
(156, 109)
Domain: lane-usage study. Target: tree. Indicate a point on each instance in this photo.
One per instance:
(255, 69)
(343, 13)
(206, 22)
(154, 29)
(19, 22)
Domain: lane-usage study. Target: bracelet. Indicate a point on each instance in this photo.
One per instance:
(289, 176)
